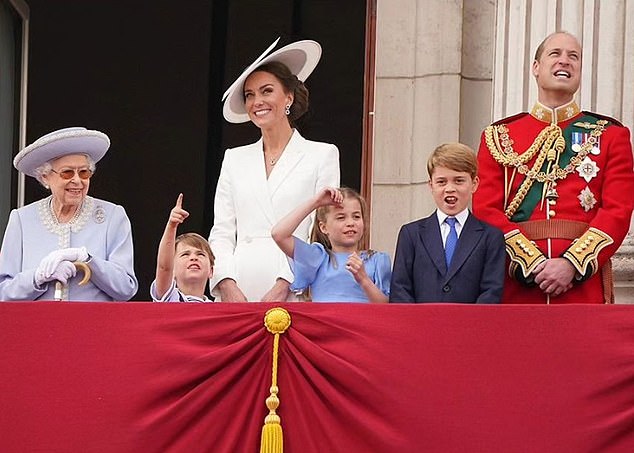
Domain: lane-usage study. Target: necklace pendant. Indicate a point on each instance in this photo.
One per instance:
(272, 161)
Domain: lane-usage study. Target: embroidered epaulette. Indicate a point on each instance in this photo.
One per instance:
(510, 119)
(603, 117)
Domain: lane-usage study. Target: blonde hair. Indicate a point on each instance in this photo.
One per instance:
(454, 156)
(321, 213)
(197, 241)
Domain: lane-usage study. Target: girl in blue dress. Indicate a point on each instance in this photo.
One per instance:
(334, 266)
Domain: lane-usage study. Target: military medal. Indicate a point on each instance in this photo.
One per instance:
(587, 199)
(588, 169)
(577, 139)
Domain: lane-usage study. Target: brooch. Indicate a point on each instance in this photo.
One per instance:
(587, 199)
(587, 169)
(99, 215)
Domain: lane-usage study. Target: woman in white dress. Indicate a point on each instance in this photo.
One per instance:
(261, 182)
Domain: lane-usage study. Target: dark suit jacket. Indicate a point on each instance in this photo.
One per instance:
(476, 273)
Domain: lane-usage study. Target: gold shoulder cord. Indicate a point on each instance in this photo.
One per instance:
(549, 144)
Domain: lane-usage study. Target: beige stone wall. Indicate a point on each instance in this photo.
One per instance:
(445, 69)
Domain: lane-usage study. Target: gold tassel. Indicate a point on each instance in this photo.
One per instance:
(276, 321)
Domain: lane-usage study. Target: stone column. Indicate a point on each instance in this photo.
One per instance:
(419, 52)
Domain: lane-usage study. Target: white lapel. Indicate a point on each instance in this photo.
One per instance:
(293, 153)
(255, 173)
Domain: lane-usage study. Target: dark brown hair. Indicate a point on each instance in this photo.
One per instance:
(291, 85)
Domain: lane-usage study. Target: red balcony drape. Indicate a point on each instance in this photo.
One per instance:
(143, 377)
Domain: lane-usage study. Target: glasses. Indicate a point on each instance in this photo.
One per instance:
(69, 173)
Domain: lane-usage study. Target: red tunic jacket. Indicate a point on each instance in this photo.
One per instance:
(585, 221)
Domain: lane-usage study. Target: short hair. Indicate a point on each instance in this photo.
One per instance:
(291, 84)
(456, 157)
(540, 49)
(197, 241)
(46, 168)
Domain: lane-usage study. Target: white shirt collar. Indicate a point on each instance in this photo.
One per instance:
(461, 217)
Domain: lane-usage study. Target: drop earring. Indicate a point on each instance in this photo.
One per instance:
(288, 109)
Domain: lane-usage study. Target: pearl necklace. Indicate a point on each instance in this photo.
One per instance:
(72, 220)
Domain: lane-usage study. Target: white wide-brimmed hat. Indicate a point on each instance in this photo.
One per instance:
(71, 140)
(300, 57)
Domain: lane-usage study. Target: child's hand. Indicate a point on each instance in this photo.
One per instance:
(356, 267)
(178, 214)
(328, 196)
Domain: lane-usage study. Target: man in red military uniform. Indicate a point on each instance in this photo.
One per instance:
(559, 182)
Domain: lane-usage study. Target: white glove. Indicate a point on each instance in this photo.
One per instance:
(65, 271)
(50, 262)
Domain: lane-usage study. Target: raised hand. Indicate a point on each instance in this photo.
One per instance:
(178, 214)
(355, 266)
(328, 196)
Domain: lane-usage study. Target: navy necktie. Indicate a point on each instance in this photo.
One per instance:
(452, 239)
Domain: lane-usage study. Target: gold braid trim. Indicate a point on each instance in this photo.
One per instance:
(583, 251)
(522, 252)
(549, 144)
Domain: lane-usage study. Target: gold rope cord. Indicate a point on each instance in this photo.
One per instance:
(554, 141)
(549, 143)
(277, 321)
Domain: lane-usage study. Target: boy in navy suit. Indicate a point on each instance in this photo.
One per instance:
(450, 256)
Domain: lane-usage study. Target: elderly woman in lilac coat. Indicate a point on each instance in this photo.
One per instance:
(46, 242)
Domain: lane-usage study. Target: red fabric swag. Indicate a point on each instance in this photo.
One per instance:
(110, 377)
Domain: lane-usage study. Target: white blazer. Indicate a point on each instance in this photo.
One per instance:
(247, 205)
